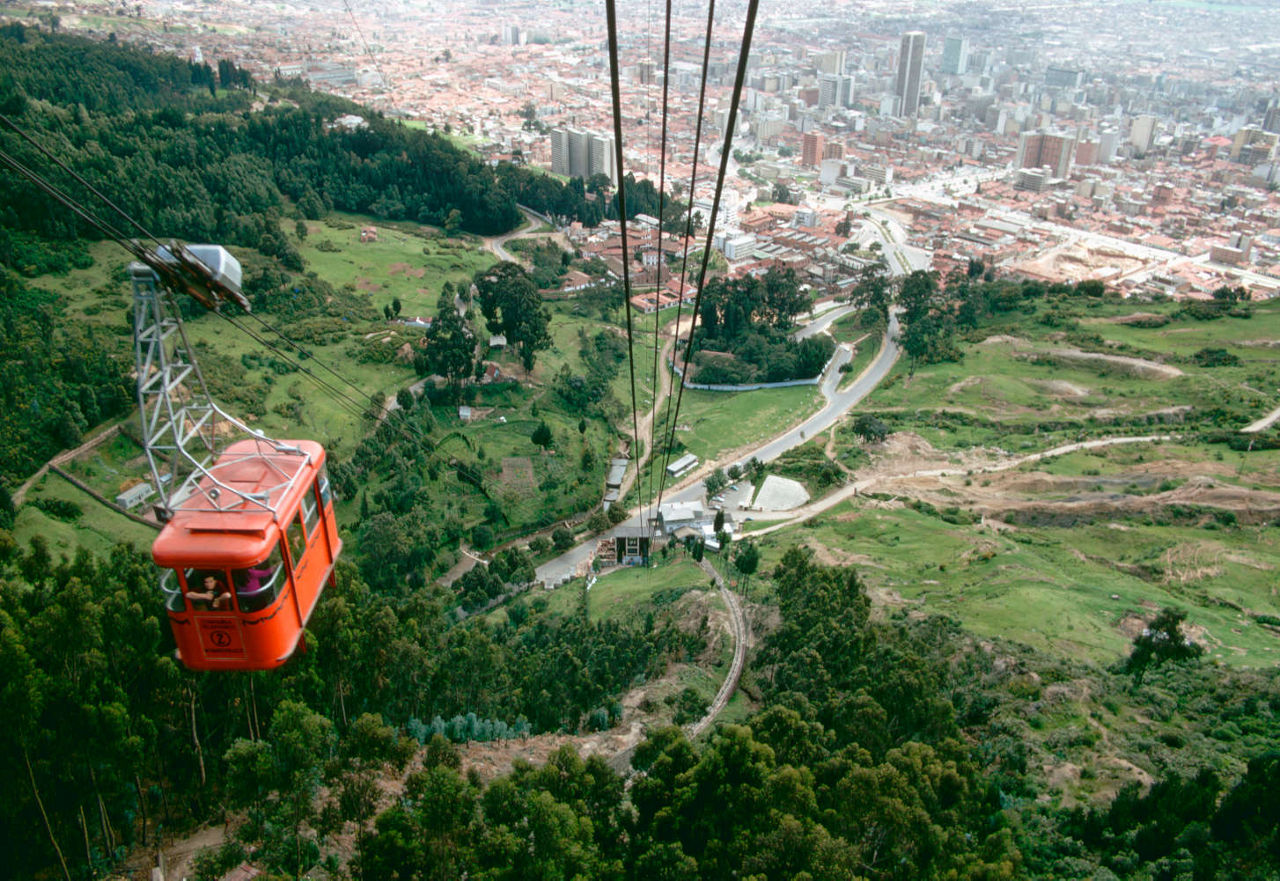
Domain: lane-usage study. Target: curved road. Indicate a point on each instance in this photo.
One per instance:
(497, 244)
(838, 402)
(574, 561)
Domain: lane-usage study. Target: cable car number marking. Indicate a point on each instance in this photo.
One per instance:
(220, 637)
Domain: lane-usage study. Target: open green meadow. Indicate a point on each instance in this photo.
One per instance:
(97, 528)
(1084, 590)
(623, 592)
(407, 262)
(1074, 592)
(1020, 387)
(714, 422)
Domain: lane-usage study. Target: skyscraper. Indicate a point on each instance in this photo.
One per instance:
(835, 90)
(560, 152)
(1046, 149)
(581, 154)
(600, 158)
(955, 55)
(910, 70)
(811, 151)
(1142, 133)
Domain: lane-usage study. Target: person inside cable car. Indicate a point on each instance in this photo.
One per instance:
(214, 596)
(256, 586)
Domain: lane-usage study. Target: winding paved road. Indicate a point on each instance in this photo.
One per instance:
(576, 560)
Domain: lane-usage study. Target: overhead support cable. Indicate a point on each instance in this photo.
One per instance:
(611, 15)
(745, 51)
(657, 312)
(684, 240)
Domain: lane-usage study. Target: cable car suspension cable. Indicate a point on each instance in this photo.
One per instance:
(662, 195)
(745, 51)
(684, 257)
(611, 15)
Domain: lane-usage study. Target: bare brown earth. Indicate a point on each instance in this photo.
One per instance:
(1063, 499)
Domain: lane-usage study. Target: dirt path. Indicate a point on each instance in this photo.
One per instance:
(645, 425)
(1008, 463)
(741, 636)
(20, 494)
(1262, 424)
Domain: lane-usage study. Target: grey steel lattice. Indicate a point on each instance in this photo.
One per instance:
(182, 425)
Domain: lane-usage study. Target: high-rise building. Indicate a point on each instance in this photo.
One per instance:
(1142, 133)
(600, 158)
(1087, 152)
(811, 153)
(955, 55)
(1063, 77)
(835, 90)
(1046, 150)
(1271, 119)
(979, 62)
(560, 152)
(910, 71)
(830, 62)
(1253, 145)
(581, 154)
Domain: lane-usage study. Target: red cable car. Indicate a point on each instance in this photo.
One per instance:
(268, 564)
(249, 538)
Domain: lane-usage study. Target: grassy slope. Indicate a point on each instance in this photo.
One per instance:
(991, 381)
(1052, 588)
(623, 592)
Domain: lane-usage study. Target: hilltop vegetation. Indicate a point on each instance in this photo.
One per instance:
(973, 700)
(888, 747)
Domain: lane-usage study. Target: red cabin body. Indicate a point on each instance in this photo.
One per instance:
(270, 560)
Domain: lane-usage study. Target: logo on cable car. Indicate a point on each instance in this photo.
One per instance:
(220, 636)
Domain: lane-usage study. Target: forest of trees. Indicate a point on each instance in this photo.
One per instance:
(187, 159)
(110, 739)
(57, 378)
(883, 748)
(890, 746)
(751, 319)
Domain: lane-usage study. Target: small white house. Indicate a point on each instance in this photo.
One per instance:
(134, 496)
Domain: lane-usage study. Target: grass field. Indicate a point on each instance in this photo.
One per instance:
(1068, 591)
(98, 529)
(623, 592)
(1079, 591)
(862, 357)
(408, 261)
(713, 422)
(1012, 391)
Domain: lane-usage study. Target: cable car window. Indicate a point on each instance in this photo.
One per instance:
(310, 513)
(172, 591)
(322, 484)
(207, 590)
(258, 586)
(297, 539)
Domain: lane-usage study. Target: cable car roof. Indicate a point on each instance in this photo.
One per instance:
(239, 508)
